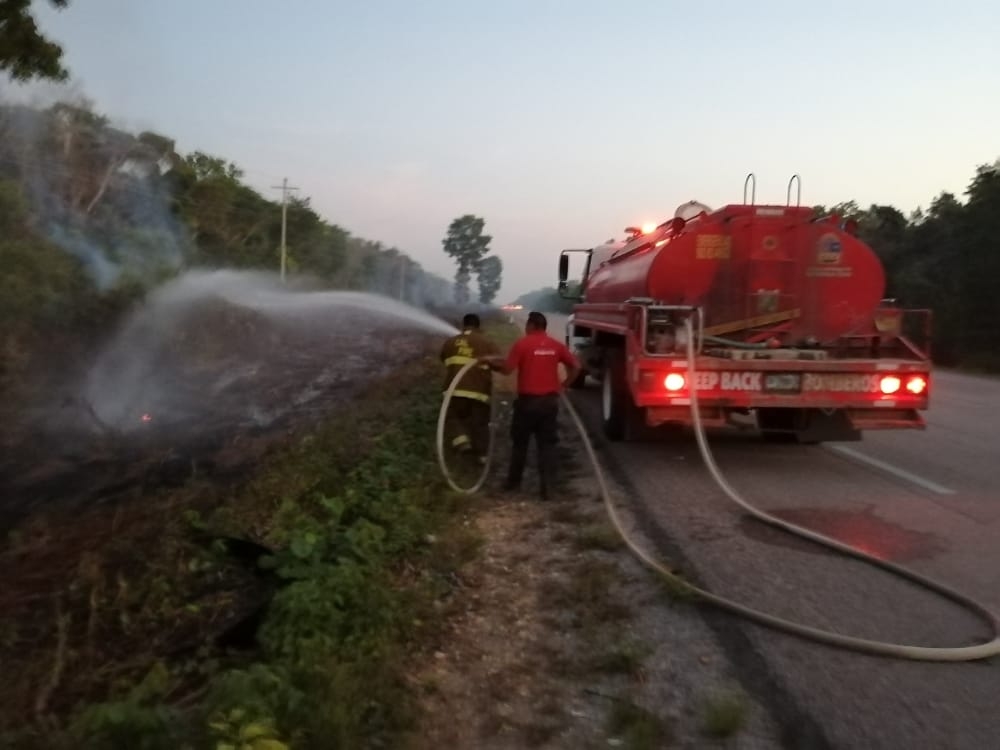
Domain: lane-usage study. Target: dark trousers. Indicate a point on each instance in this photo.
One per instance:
(534, 415)
(467, 425)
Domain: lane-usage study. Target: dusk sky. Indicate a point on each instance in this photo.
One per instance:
(558, 122)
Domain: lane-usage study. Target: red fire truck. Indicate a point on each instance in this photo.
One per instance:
(790, 327)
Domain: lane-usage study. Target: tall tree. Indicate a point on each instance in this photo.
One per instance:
(490, 272)
(24, 52)
(466, 243)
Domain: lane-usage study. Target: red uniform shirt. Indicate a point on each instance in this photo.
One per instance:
(536, 357)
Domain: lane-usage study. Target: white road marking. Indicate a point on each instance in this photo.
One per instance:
(895, 470)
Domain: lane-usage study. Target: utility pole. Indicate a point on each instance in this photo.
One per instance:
(402, 278)
(285, 190)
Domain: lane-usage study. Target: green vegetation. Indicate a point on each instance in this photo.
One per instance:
(724, 715)
(600, 535)
(944, 259)
(24, 53)
(638, 728)
(625, 657)
(364, 543)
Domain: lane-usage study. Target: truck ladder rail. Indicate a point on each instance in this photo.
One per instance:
(798, 197)
(751, 178)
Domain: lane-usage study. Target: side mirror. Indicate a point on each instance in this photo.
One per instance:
(563, 270)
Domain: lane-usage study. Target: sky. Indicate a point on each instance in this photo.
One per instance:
(559, 123)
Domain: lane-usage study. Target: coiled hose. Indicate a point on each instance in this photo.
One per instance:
(442, 418)
(863, 645)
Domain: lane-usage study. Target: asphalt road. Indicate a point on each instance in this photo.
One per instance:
(929, 500)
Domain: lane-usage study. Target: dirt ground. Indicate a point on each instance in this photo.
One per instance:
(559, 638)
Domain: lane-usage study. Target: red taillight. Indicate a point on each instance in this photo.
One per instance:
(889, 384)
(916, 385)
(674, 381)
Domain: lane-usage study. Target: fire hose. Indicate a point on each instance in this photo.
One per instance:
(442, 418)
(852, 643)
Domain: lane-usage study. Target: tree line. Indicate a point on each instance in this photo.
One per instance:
(946, 259)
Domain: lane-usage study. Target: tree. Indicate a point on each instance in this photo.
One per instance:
(205, 166)
(466, 243)
(24, 52)
(490, 272)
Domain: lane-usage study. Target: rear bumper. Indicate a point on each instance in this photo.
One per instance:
(861, 420)
(852, 391)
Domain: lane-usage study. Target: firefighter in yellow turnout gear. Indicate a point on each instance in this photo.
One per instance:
(467, 425)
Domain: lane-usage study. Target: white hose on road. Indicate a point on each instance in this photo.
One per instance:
(880, 648)
(921, 653)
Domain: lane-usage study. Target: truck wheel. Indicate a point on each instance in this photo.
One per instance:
(620, 417)
(581, 380)
(612, 408)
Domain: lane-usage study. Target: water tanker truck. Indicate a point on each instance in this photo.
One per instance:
(790, 328)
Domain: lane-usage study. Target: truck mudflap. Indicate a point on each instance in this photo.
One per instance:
(886, 419)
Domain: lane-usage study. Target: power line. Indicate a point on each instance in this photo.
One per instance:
(285, 190)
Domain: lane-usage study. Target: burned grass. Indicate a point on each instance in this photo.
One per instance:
(282, 606)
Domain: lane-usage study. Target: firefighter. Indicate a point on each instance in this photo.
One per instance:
(536, 357)
(467, 423)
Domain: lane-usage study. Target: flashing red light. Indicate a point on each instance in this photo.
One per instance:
(147, 417)
(889, 384)
(916, 385)
(674, 381)
(648, 228)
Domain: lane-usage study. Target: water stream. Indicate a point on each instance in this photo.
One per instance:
(207, 334)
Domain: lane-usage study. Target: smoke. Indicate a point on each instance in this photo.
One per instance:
(93, 191)
(103, 272)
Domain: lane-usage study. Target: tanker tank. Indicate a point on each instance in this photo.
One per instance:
(748, 266)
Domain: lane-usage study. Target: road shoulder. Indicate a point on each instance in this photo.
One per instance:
(557, 637)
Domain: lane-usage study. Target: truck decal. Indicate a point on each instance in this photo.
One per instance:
(727, 381)
(826, 272)
(713, 247)
(841, 383)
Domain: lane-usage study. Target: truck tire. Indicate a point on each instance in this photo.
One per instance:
(620, 417)
(581, 380)
(612, 412)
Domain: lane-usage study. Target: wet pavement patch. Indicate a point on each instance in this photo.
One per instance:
(861, 529)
